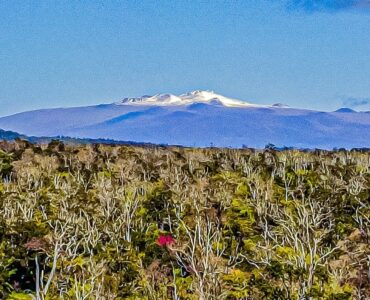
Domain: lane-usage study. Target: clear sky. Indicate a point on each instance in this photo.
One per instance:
(304, 53)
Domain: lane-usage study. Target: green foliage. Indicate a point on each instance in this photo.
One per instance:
(5, 164)
(19, 296)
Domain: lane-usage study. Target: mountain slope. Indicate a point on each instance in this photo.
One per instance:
(198, 119)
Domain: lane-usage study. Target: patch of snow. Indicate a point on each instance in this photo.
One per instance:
(186, 99)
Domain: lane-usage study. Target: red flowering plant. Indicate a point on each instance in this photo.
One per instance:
(165, 240)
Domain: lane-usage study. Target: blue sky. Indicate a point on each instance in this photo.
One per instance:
(304, 53)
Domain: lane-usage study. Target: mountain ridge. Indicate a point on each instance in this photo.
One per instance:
(200, 119)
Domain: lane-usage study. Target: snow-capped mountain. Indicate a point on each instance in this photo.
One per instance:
(199, 118)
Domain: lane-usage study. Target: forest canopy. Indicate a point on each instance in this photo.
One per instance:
(129, 222)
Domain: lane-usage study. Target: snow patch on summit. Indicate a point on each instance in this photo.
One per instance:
(208, 97)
